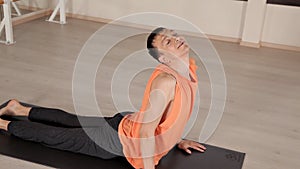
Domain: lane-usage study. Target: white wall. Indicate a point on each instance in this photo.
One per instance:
(213, 17)
(35, 3)
(216, 17)
(282, 25)
(254, 21)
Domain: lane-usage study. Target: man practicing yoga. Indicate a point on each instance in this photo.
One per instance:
(143, 137)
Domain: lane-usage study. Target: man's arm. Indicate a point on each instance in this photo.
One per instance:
(161, 94)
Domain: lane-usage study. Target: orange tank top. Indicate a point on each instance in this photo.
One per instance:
(170, 129)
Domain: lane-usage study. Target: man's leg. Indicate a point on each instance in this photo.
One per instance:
(50, 116)
(69, 139)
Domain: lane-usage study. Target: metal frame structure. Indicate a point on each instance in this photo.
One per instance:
(6, 23)
(62, 12)
(16, 8)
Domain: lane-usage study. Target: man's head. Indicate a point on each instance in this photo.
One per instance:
(166, 46)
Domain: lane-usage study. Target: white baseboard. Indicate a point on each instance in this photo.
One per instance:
(250, 44)
(280, 46)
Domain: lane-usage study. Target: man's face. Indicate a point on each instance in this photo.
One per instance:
(170, 45)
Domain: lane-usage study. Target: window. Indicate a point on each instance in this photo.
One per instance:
(285, 2)
(282, 2)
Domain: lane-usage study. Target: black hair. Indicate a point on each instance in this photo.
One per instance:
(152, 50)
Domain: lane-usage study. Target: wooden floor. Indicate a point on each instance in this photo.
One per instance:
(261, 117)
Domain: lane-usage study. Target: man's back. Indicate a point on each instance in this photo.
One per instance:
(171, 122)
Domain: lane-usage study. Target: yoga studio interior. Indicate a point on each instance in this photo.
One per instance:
(165, 84)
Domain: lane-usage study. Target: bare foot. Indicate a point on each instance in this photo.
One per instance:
(14, 108)
(4, 124)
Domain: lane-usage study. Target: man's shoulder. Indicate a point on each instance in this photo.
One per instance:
(164, 79)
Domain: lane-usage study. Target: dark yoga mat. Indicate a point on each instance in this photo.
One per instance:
(213, 158)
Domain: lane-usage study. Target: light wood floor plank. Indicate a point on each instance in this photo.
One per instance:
(261, 115)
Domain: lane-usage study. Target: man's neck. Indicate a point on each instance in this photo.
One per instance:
(182, 67)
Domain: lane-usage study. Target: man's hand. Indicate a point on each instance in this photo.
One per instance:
(185, 145)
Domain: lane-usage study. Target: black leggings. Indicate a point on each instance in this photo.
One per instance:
(95, 136)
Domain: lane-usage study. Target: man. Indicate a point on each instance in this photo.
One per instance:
(148, 135)
(144, 137)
